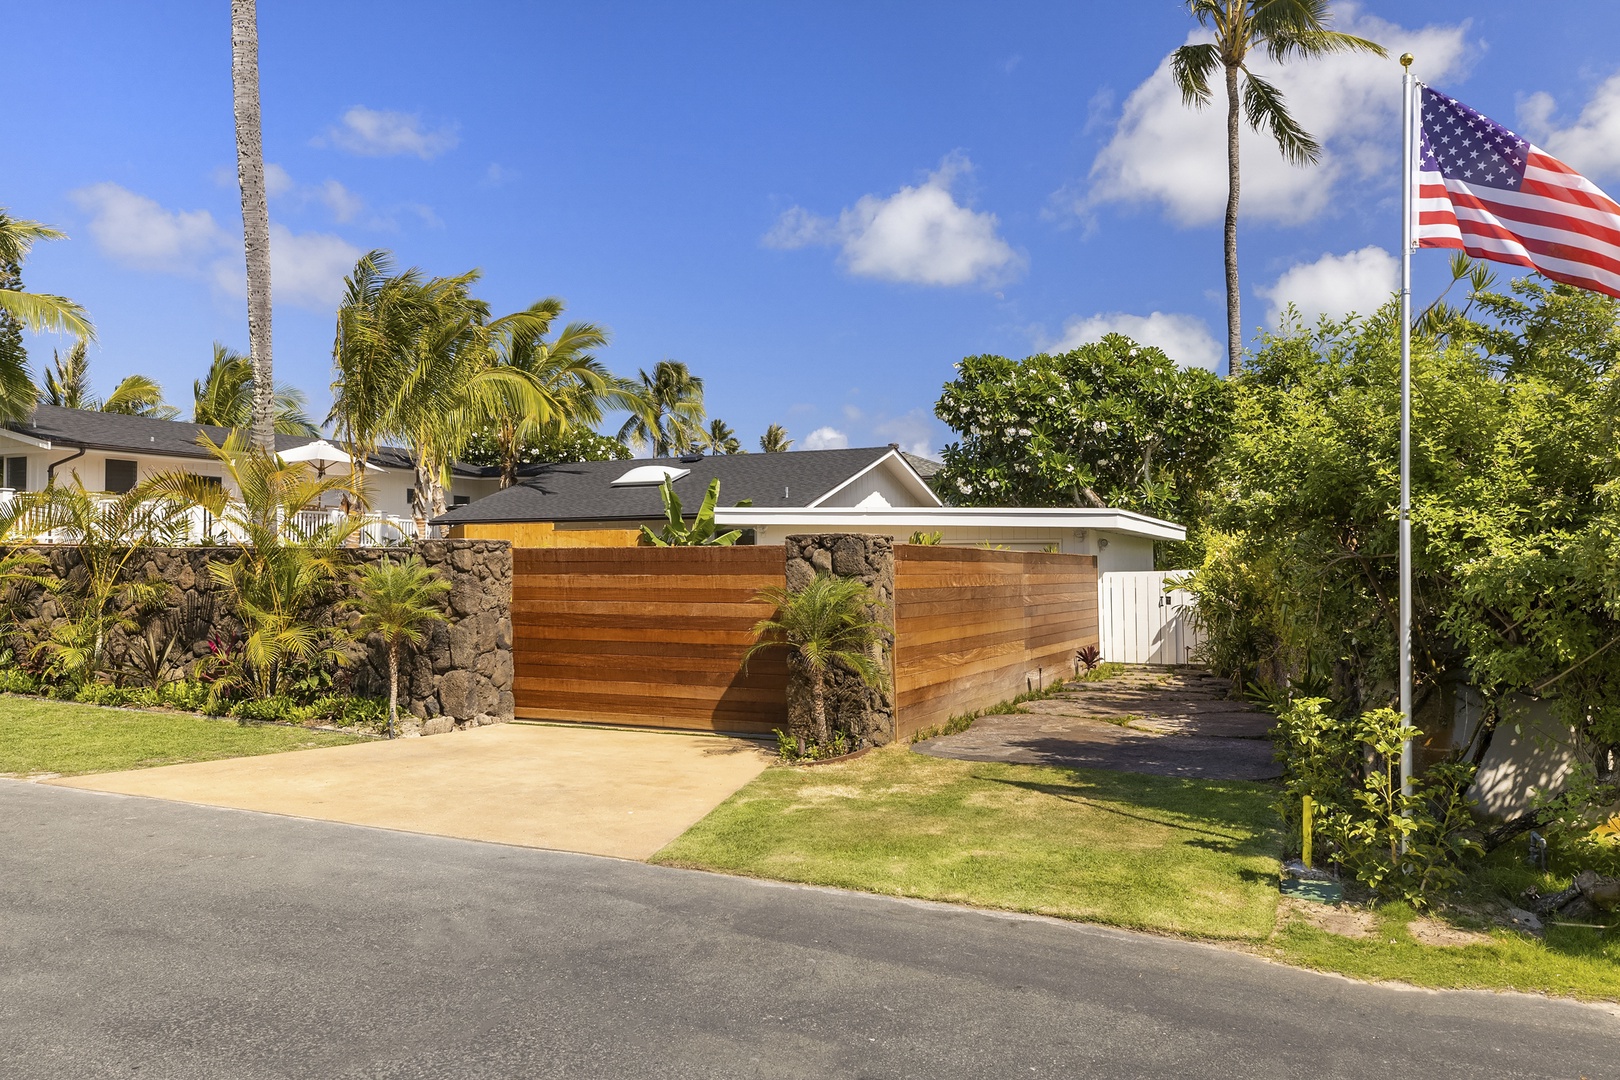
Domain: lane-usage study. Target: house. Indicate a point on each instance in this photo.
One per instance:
(876, 490)
(112, 452)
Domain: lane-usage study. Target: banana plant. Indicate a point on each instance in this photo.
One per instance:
(677, 533)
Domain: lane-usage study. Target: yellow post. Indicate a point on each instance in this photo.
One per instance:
(1305, 829)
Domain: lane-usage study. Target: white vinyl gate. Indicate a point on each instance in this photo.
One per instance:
(1140, 623)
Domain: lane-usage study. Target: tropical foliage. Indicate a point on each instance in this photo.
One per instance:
(775, 440)
(827, 624)
(282, 572)
(1109, 424)
(719, 438)
(1280, 30)
(418, 360)
(396, 601)
(67, 384)
(20, 310)
(670, 420)
(700, 533)
(1516, 527)
(224, 397)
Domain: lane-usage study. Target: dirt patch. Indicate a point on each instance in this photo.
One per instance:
(1426, 931)
(1338, 919)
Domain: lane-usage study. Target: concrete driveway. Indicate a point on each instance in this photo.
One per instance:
(594, 790)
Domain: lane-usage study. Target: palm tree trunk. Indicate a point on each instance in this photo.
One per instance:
(1234, 320)
(818, 706)
(255, 214)
(393, 686)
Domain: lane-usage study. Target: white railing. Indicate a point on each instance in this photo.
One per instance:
(201, 527)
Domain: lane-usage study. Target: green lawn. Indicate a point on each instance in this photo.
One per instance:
(1136, 851)
(41, 736)
(1186, 857)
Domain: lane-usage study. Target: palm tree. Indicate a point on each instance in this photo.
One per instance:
(224, 397)
(255, 214)
(67, 384)
(280, 573)
(1282, 30)
(720, 439)
(826, 624)
(417, 361)
(396, 601)
(672, 417)
(576, 384)
(775, 440)
(25, 310)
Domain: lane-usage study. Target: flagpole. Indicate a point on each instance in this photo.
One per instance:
(1407, 131)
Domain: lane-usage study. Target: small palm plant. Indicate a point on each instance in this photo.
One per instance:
(398, 600)
(825, 624)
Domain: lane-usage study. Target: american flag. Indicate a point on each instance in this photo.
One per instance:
(1482, 188)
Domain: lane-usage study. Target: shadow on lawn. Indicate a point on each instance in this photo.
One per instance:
(1228, 817)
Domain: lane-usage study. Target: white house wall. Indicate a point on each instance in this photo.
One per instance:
(880, 481)
(1115, 551)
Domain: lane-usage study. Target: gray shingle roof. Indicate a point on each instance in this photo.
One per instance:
(584, 491)
(926, 467)
(117, 433)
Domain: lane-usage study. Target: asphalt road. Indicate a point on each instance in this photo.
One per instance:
(148, 939)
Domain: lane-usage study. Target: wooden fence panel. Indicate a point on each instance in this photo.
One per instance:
(651, 637)
(971, 624)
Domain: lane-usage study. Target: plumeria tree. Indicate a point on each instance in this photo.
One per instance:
(1113, 423)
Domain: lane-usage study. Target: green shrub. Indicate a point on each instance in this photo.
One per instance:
(14, 680)
(191, 696)
(1403, 847)
(277, 708)
(103, 694)
(368, 713)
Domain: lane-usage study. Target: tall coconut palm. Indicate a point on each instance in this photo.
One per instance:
(224, 397)
(396, 601)
(67, 384)
(671, 421)
(21, 310)
(720, 439)
(775, 440)
(255, 214)
(1281, 30)
(826, 624)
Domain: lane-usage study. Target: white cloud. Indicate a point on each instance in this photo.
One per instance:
(915, 431)
(344, 204)
(277, 180)
(1335, 285)
(1591, 143)
(135, 230)
(1165, 152)
(919, 234)
(825, 438)
(1184, 338)
(306, 269)
(384, 133)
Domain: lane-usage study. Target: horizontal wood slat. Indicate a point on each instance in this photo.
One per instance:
(649, 637)
(970, 625)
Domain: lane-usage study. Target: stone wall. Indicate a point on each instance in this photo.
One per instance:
(866, 713)
(460, 675)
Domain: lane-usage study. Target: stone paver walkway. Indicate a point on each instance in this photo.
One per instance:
(1165, 722)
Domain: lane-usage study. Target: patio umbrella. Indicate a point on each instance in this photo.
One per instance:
(323, 455)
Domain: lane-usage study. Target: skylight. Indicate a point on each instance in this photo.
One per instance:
(649, 474)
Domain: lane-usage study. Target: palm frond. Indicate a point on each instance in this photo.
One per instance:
(1264, 109)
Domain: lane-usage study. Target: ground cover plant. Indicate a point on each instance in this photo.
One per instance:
(1151, 853)
(39, 736)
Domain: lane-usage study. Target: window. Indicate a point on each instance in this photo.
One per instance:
(462, 500)
(17, 473)
(120, 475)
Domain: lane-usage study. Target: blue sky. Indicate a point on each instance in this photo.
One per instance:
(819, 208)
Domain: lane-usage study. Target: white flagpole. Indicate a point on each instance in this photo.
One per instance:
(1407, 133)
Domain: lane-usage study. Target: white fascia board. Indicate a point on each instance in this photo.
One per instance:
(908, 476)
(924, 517)
(42, 444)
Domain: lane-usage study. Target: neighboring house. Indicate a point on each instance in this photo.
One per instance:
(112, 452)
(870, 490)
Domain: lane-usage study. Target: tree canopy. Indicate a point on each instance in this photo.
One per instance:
(1113, 423)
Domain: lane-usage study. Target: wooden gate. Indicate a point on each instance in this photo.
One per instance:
(1143, 623)
(651, 637)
